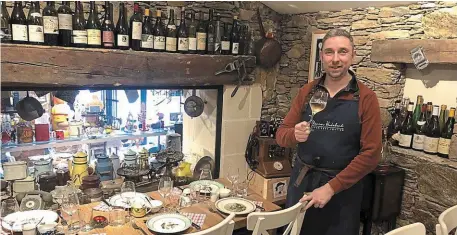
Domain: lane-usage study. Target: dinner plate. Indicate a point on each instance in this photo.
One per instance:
(117, 200)
(24, 217)
(213, 184)
(168, 223)
(225, 204)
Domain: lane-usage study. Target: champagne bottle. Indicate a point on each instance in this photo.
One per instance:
(94, 34)
(429, 111)
(79, 33)
(51, 24)
(193, 34)
(183, 35)
(443, 116)
(433, 133)
(159, 33)
(147, 34)
(171, 40)
(235, 42)
(35, 24)
(225, 41)
(18, 24)
(5, 24)
(122, 29)
(407, 128)
(136, 27)
(211, 33)
(421, 128)
(108, 28)
(65, 24)
(201, 35)
(445, 139)
(417, 110)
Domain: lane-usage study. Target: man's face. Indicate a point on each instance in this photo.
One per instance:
(337, 54)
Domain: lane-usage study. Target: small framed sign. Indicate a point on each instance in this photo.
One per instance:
(315, 65)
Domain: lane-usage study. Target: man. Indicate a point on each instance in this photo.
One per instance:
(338, 148)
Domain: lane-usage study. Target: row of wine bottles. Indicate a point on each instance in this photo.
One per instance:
(66, 28)
(423, 127)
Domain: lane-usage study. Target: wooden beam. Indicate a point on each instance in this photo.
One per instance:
(437, 51)
(44, 66)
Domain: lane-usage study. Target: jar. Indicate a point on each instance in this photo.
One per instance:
(90, 181)
(47, 181)
(62, 176)
(24, 134)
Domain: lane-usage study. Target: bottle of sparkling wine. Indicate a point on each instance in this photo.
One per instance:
(445, 139)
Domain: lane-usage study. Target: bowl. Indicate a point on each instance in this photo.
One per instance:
(224, 192)
(156, 205)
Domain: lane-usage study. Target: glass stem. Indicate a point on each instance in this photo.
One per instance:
(310, 122)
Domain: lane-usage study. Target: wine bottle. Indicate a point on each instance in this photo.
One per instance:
(445, 139)
(443, 116)
(65, 24)
(429, 111)
(79, 33)
(159, 33)
(5, 24)
(171, 40)
(421, 128)
(433, 133)
(407, 128)
(218, 36)
(395, 123)
(122, 29)
(18, 24)
(211, 33)
(108, 28)
(417, 109)
(193, 34)
(225, 41)
(235, 42)
(94, 34)
(404, 110)
(147, 34)
(136, 26)
(35, 24)
(51, 24)
(201, 35)
(183, 34)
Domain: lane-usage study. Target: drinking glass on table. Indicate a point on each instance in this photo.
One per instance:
(165, 187)
(70, 205)
(232, 177)
(86, 218)
(128, 193)
(9, 206)
(317, 103)
(242, 189)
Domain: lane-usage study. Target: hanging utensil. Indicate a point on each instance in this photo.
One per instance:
(194, 105)
(29, 108)
(267, 49)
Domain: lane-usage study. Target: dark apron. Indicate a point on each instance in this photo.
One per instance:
(331, 146)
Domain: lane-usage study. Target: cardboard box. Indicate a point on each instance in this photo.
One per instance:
(273, 189)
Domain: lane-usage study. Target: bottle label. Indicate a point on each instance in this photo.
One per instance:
(170, 26)
(225, 45)
(65, 21)
(136, 30)
(51, 24)
(171, 44)
(159, 42)
(94, 37)
(19, 32)
(122, 40)
(147, 41)
(431, 144)
(192, 44)
(79, 37)
(405, 140)
(443, 146)
(201, 41)
(108, 38)
(418, 142)
(183, 44)
(36, 33)
(235, 47)
(210, 42)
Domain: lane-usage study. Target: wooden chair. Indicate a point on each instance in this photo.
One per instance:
(260, 222)
(412, 229)
(223, 228)
(447, 221)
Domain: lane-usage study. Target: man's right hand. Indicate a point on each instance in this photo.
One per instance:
(302, 131)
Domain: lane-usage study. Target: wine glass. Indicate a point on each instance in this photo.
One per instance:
(232, 177)
(317, 103)
(165, 186)
(128, 192)
(70, 205)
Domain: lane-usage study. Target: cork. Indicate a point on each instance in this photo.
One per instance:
(453, 148)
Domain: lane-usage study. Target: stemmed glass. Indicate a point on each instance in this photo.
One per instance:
(128, 192)
(70, 205)
(233, 177)
(165, 187)
(317, 102)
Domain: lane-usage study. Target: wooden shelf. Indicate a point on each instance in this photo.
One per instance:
(77, 141)
(437, 51)
(31, 66)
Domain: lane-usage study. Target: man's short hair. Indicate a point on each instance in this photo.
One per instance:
(338, 33)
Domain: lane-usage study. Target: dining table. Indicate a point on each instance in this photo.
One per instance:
(212, 217)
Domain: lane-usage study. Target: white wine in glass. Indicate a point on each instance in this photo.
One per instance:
(317, 103)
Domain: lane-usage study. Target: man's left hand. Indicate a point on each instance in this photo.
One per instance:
(319, 197)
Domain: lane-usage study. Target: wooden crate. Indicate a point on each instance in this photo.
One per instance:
(273, 189)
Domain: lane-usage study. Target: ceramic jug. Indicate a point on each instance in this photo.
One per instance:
(104, 167)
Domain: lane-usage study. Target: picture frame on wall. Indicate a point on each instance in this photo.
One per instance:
(315, 65)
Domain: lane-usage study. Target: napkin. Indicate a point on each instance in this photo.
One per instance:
(258, 203)
(198, 219)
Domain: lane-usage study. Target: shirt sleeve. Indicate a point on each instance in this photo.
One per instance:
(370, 151)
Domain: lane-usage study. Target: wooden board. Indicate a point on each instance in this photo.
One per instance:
(266, 187)
(437, 51)
(45, 66)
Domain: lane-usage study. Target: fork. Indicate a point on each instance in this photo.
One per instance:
(135, 226)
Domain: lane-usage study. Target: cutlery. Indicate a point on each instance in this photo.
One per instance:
(39, 221)
(217, 212)
(62, 220)
(135, 226)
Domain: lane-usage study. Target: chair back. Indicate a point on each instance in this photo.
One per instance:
(412, 229)
(447, 221)
(223, 228)
(260, 222)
